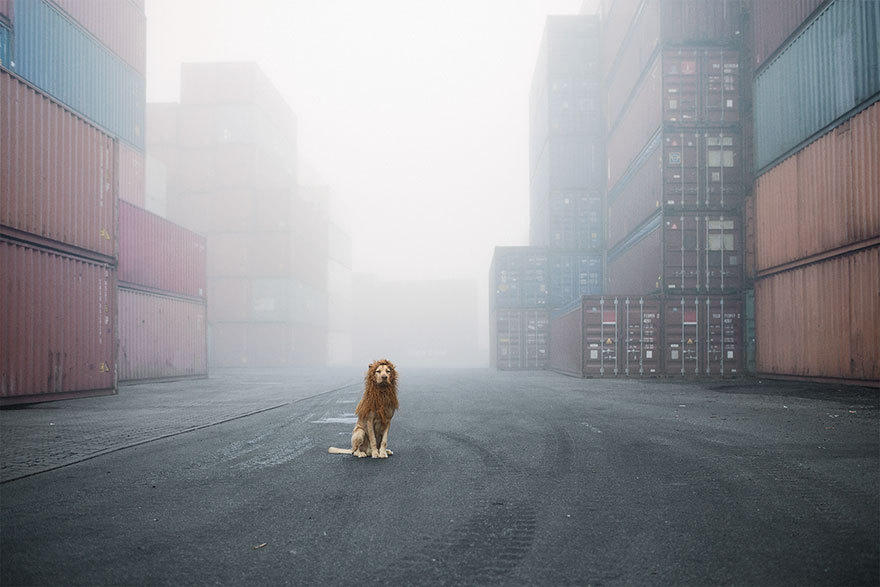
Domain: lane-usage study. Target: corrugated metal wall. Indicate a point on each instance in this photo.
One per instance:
(57, 172)
(822, 320)
(161, 336)
(824, 197)
(58, 333)
(75, 69)
(832, 67)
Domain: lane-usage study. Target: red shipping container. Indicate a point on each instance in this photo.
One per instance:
(158, 255)
(58, 334)
(825, 197)
(693, 170)
(132, 174)
(774, 22)
(120, 25)
(600, 316)
(684, 252)
(821, 320)
(636, 126)
(56, 172)
(640, 327)
(161, 337)
(703, 335)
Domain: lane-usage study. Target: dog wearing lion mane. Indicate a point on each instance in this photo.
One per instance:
(374, 412)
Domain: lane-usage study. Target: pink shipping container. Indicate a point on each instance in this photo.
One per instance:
(158, 255)
(58, 334)
(680, 252)
(161, 337)
(7, 9)
(56, 173)
(120, 25)
(703, 335)
(822, 320)
(774, 22)
(132, 174)
(825, 197)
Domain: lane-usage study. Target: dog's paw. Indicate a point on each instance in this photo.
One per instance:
(383, 454)
(360, 454)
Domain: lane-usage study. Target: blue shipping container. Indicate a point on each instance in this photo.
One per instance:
(5, 46)
(832, 67)
(573, 275)
(63, 60)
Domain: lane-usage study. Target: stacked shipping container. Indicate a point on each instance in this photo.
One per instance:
(817, 200)
(564, 260)
(71, 148)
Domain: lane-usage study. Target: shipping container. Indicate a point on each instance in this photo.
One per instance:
(72, 67)
(600, 338)
(637, 125)
(120, 25)
(58, 334)
(573, 274)
(568, 219)
(5, 47)
(679, 252)
(57, 173)
(520, 339)
(7, 10)
(158, 255)
(132, 174)
(244, 299)
(821, 320)
(702, 21)
(824, 197)
(243, 254)
(567, 340)
(519, 278)
(837, 65)
(161, 337)
(703, 335)
(230, 166)
(774, 22)
(749, 329)
(679, 171)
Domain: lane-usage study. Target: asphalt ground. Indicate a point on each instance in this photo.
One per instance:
(496, 478)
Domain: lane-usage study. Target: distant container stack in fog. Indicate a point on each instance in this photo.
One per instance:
(229, 151)
(566, 158)
(72, 168)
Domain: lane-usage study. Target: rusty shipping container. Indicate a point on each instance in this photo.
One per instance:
(156, 254)
(58, 334)
(703, 335)
(774, 22)
(679, 170)
(119, 25)
(823, 198)
(567, 340)
(161, 337)
(131, 169)
(57, 173)
(519, 339)
(822, 320)
(680, 252)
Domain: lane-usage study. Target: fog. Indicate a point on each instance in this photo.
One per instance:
(413, 113)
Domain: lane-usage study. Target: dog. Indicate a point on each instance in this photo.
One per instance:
(374, 412)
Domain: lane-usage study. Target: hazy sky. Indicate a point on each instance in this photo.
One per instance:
(414, 112)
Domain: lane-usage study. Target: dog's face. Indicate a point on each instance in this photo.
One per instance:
(382, 372)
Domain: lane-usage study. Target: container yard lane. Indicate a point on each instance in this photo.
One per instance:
(496, 477)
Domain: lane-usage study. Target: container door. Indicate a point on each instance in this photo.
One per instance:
(723, 328)
(600, 336)
(640, 344)
(681, 259)
(681, 334)
(681, 170)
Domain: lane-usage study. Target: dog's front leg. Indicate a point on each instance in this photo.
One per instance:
(383, 447)
(371, 435)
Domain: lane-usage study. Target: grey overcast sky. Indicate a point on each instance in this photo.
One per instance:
(414, 112)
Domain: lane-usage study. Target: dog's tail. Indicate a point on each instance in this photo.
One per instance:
(339, 451)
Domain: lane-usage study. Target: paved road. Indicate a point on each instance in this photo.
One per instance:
(510, 478)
